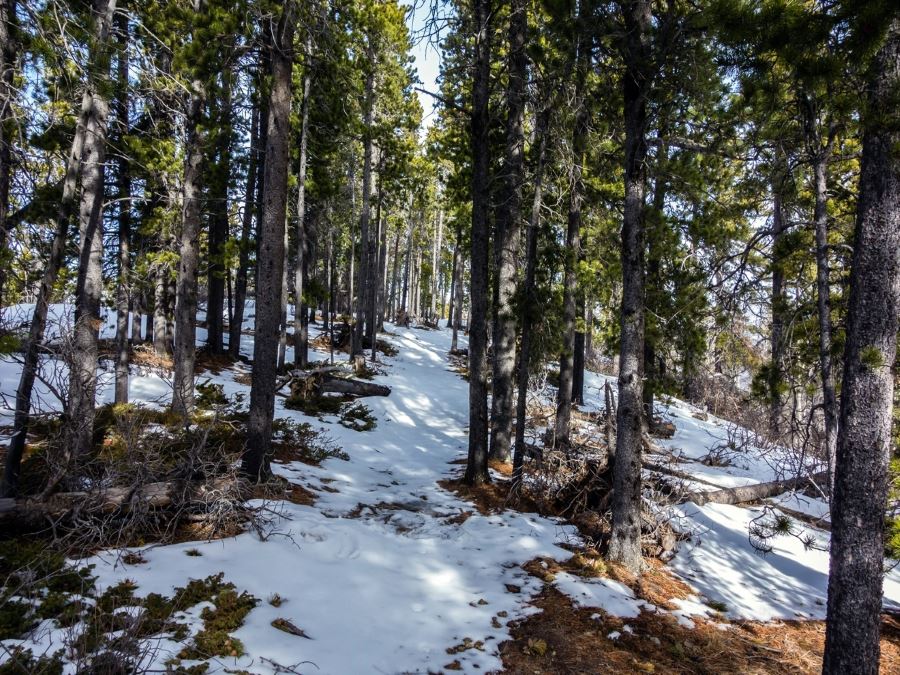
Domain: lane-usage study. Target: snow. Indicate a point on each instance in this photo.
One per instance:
(382, 575)
(790, 582)
(607, 594)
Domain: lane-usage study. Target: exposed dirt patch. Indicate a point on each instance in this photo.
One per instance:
(146, 357)
(488, 498)
(214, 363)
(565, 639)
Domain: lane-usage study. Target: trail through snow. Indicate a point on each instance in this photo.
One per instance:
(383, 577)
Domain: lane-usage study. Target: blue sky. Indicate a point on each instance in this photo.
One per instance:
(428, 58)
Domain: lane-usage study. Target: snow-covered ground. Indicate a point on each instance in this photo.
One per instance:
(383, 577)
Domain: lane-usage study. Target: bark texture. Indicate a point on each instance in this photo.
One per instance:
(506, 237)
(188, 261)
(124, 195)
(573, 235)
(270, 251)
(864, 436)
(89, 286)
(625, 542)
(477, 466)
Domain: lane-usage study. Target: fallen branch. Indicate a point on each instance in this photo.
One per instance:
(108, 500)
(751, 493)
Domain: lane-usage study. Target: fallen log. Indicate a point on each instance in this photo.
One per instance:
(751, 493)
(341, 385)
(306, 384)
(157, 495)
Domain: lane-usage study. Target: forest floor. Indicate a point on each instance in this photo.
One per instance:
(377, 567)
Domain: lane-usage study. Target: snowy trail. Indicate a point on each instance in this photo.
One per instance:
(391, 590)
(387, 570)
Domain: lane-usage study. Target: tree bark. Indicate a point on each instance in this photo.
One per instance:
(819, 156)
(364, 285)
(235, 324)
(32, 351)
(270, 257)
(477, 465)
(301, 346)
(507, 235)
(750, 493)
(89, 286)
(776, 368)
(530, 309)
(188, 260)
(218, 222)
(864, 431)
(625, 542)
(124, 197)
(8, 63)
(573, 232)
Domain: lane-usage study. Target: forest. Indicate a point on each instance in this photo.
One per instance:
(421, 336)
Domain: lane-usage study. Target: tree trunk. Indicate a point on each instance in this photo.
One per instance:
(864, 432)
(188, 260)
(160, 338)
(218, 222)
(270, 257)
(819, 155)
(625, 542)
(453, 268)
(300, 345)
(381, 226)
(578, 355)
(124, 198)
(89, 286)
(457, 316)
(477, 465)
(283, 302)
(573, 232)
(776, 368)
(365, 286)
(529, 315)
(653, 280)
(507, 235)
(31, 357)
(8, 62)
(235, 324)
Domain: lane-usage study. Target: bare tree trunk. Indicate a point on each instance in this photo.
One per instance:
(124, 198)
(392, 313)
(457, 316)
(89, 286)
(625, 543)
(270, 258)
(188, 261)
(160, 337)
(864, 432)
(8, 62)
(528, 321)
(653, 281)
(776, 371)
(477, 464)
(382, 258)
(240, 282)
(283, 301)
(453, 269)
(365, 262)
(406, 272)
(819, 155)
(218, 222)
(578, 355)
(506, 237)
(573, 233)
(300, 347)
(31, 357)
